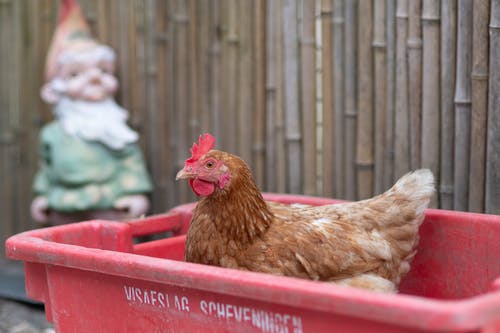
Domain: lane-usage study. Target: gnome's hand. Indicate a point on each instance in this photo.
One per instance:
(135, 205)
(39, 209)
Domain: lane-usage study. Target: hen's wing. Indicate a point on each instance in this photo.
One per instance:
(355, 243)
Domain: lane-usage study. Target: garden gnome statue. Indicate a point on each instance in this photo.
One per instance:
(91, 165)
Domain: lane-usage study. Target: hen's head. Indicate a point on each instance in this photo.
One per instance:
(207, 169)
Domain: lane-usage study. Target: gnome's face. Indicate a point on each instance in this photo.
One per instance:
(83, 73)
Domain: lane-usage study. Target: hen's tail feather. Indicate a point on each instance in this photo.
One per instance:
(406, 202)
(417, 187)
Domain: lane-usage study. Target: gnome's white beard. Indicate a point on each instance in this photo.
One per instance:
(104, 121)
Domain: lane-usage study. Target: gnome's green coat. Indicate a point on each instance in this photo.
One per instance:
(79, 175)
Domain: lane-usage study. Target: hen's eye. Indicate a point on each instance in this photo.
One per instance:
(210, 164)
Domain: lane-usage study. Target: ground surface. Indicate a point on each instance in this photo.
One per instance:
(18, 317)
(18, 313)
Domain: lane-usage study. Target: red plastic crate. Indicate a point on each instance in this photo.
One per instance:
(93, 278)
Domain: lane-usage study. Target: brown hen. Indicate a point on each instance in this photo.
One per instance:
(367, 244)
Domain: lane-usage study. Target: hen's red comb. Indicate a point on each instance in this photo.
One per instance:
(205, 143)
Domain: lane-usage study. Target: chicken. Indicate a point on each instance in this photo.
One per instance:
(366, 244)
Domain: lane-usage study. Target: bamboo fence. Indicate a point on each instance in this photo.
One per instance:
(332, 98)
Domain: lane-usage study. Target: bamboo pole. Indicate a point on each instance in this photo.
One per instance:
(202, 39)
(48, 23)
(163, 177)
(18, 87)
(38, 60)
(350, 115)
(479, 111)
(447, 63)
(401, 121)
(38, 57)
(390, 31)
(231, 80)
(131, 53)
(22, 184)
(102, 32)
(181, 70)
(246, 81)
(111, 24)
(175, 154)
(327, 99)
(338, 97)
(380, 93)
(463, 105)
(134, 67)
(308, 95)
(195, 74)
(365, 149)
(7, 136)
(214, 89)
(292, 114)
(151, 118)
(492, 199)
(156, 136)
(14, 136)
(259, 39)
(29, 85)
(279, 117)
(195, 92)
(272, 90)
(415, 83)
(430, 90)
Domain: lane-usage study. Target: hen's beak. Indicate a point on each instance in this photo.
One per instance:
(185, 174)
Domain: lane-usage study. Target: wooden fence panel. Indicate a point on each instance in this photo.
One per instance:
(335, 98)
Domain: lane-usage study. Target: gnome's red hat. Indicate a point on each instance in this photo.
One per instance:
(72, 33)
